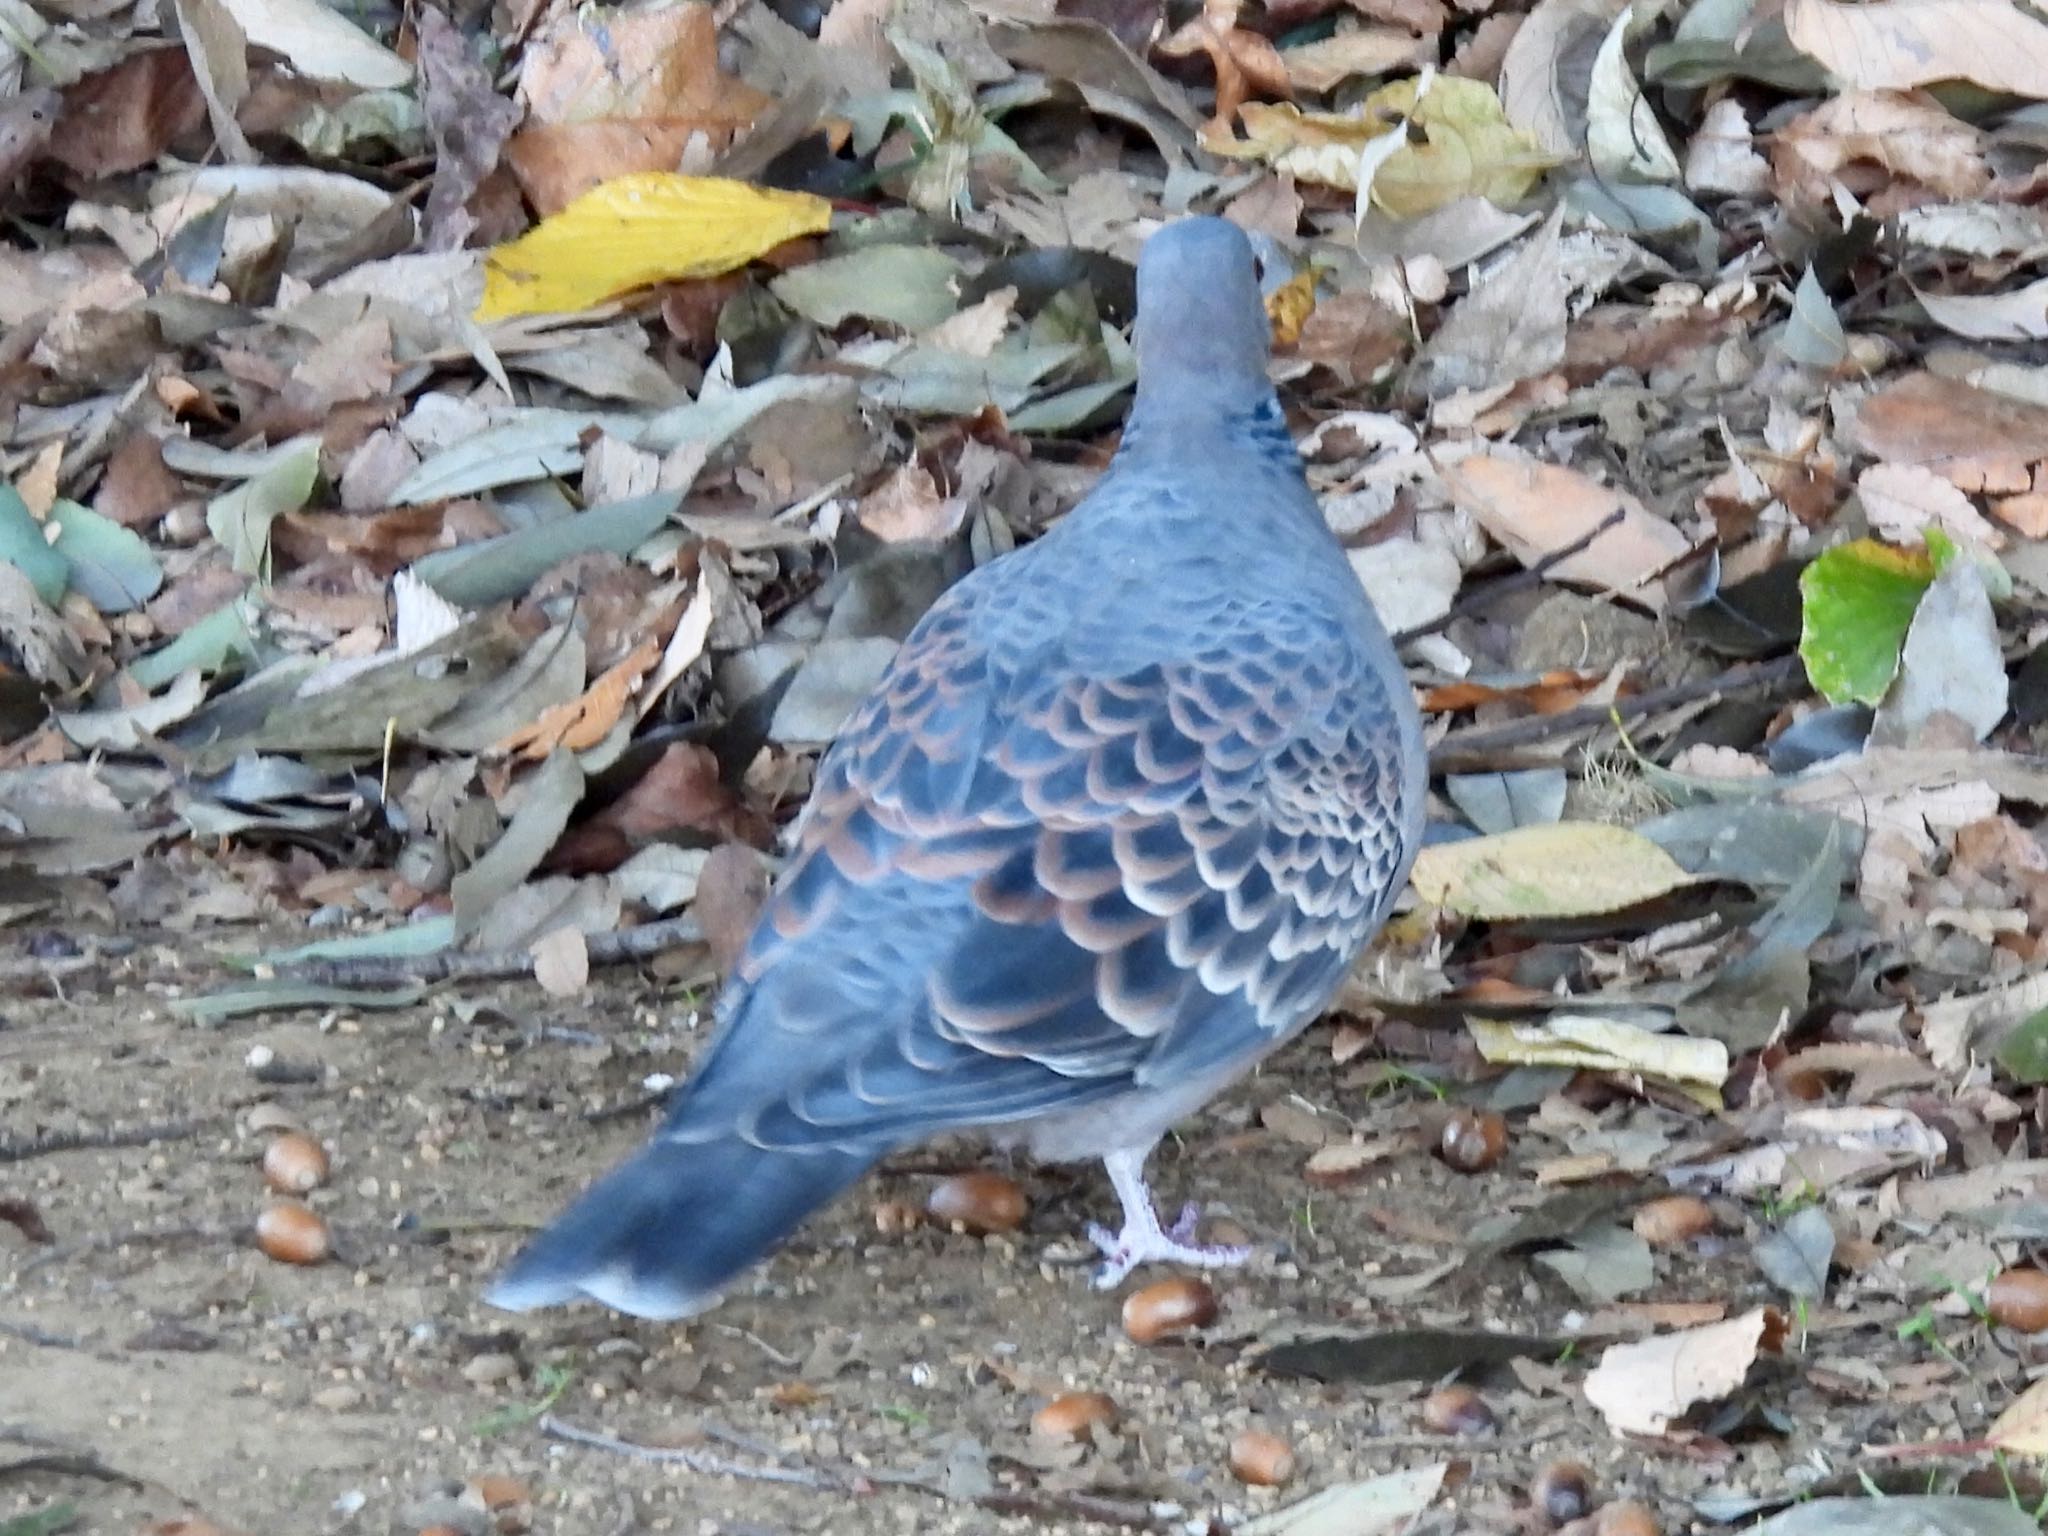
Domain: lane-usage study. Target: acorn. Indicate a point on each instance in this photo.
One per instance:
(294, 1163)
(1671, 1220)
(1261, 1459)
(980, 1203)
(292, 1234)
(1457, 1410)
(1169, 1307)
(1473, 1140)
(1073, 1415)
(1562, 1492)
(2018, 1299)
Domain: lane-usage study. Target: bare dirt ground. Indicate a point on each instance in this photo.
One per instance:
(155, 1366)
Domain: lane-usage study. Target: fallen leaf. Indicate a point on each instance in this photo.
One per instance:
(1889, 150)
(1950, 662)
(1536, 508)
(561, 962)
(1697, 1068)
(1903, 501)
(640, 229)
(1568, 869)
(1466, 149)
(1857, 601)
(584, 722)
(1640, 1388)
(1897, 45)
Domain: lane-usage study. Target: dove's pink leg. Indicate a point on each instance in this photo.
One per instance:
(1143, 1240)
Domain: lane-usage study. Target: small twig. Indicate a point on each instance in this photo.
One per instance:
(13, 1151)
(787, 1362)
(627, 1107)
(696, 1461)
(628, 944)
(1462, 747)
(40, 970)
(1514, 581)
(779, 1468)
(110, 1240)
(1931, 1450)
(42, 1338)
(70, 1465)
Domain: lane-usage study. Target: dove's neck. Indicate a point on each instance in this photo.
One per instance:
(1228, 426)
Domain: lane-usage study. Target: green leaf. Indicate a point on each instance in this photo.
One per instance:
(1857, 600)
(2024, 1052)
(23, 546)
(240, 519)
(204, 648)
(914, 287)
(111, 565)
(47, 1521)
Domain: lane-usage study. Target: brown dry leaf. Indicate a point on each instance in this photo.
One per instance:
(731, 890)
(556, 163)
(1244, 61)
(1480, 55)
(583, 722)
(561, 962)
(1890, 151)
(2028, 511)
(137, 489)
(1427, 17)
(680, 793)
(1536, 508)
(26, 122)
(609, 92)
(1550, 694)
(1897, 45)
(1976, 438)
(469, 122)
(907, 506)
(124, 117)
(1641, 1388)
(1356, 335)
(1363, 52)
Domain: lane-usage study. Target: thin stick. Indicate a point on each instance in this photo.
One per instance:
(1056, 1507)
(13, 1151)
(627, 944)
(1514, 581)
(696, 1461)
(1461, 746)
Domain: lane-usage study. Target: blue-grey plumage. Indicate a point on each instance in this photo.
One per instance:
(1114, 824)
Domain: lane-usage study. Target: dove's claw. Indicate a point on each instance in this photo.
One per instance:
(1143, 1240)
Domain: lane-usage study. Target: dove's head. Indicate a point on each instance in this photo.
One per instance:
(1201, 323)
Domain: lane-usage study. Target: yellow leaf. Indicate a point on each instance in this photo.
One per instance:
(651, 227)
(1289, 306)
(1468, 148)
(1696, 1067)
(1572, 869)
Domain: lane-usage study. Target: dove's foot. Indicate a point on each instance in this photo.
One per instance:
(1143, 1240)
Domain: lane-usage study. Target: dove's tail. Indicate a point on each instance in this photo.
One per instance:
(664, 1233)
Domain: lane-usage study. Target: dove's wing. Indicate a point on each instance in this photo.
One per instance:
(1018, 895)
